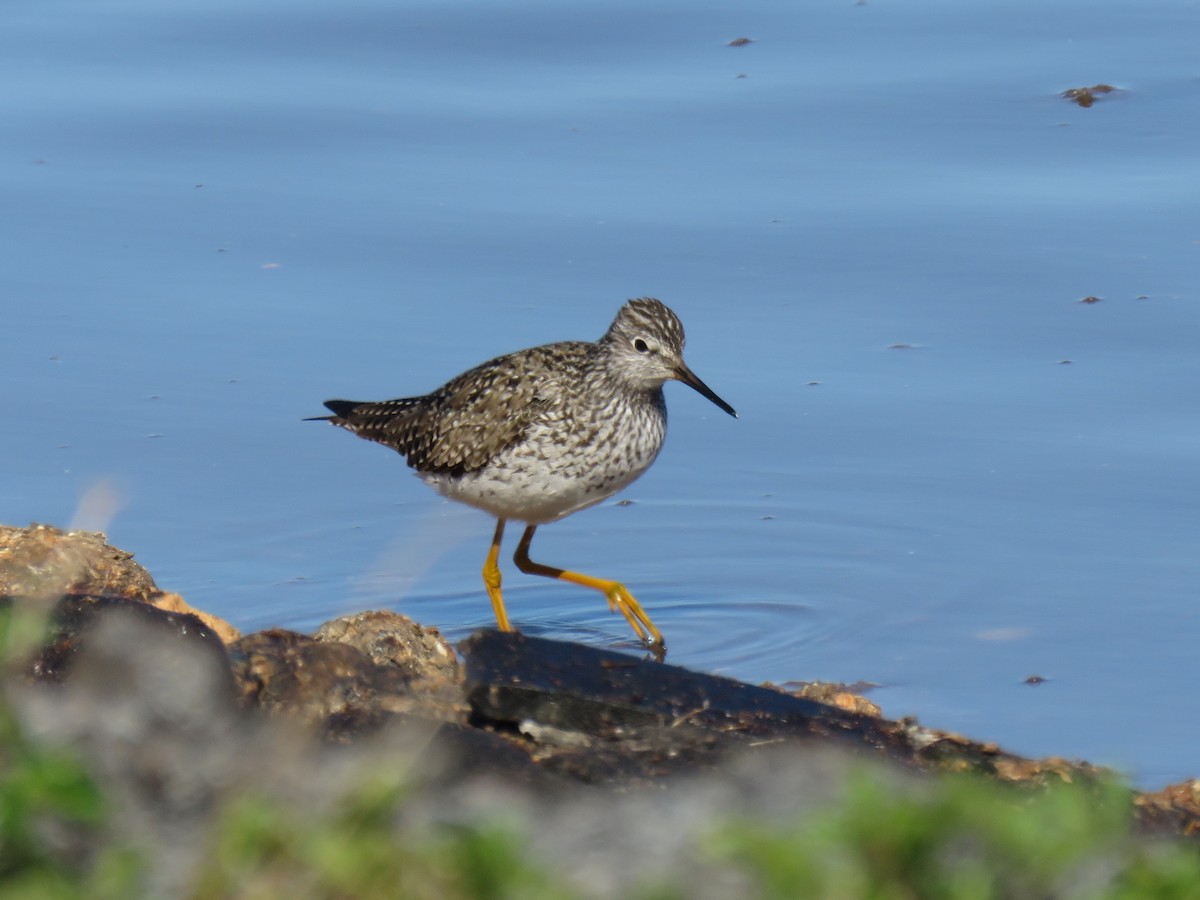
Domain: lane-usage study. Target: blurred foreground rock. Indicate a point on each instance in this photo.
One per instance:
(176, 716)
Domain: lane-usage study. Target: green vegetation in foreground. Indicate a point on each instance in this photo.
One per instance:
(958, 837)
(52, 814)
(263, 851)
(51, 819)
(964, 837)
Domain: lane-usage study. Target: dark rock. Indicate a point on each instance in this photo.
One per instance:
(458, 754)
(72, 619)
(647, 719)
(392, 639)
(329, 685)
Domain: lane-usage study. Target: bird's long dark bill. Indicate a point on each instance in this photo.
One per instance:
(688, 377)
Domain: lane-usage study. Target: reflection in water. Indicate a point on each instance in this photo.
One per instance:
(98, 506)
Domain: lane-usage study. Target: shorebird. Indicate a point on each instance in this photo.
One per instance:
(542, 433)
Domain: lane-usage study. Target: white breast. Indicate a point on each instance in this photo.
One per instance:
(558, 469)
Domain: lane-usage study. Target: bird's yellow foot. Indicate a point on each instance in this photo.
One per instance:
(620, 600)
(617, 595)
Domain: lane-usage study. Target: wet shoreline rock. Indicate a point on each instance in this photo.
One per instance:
(42, 562)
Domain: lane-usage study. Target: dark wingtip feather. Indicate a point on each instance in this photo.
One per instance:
(342, 408)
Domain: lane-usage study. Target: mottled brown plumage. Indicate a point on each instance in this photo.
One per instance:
(465, 423)
(541, 433)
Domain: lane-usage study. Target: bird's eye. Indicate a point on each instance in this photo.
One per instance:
(641, 346)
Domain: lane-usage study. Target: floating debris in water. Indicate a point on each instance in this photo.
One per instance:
(1086, 96)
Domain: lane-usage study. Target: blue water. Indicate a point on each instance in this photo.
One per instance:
(220, 214)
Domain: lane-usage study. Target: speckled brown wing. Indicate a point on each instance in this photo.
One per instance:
(462, 425)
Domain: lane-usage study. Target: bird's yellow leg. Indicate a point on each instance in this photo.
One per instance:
(491, 578)
(619, 598)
